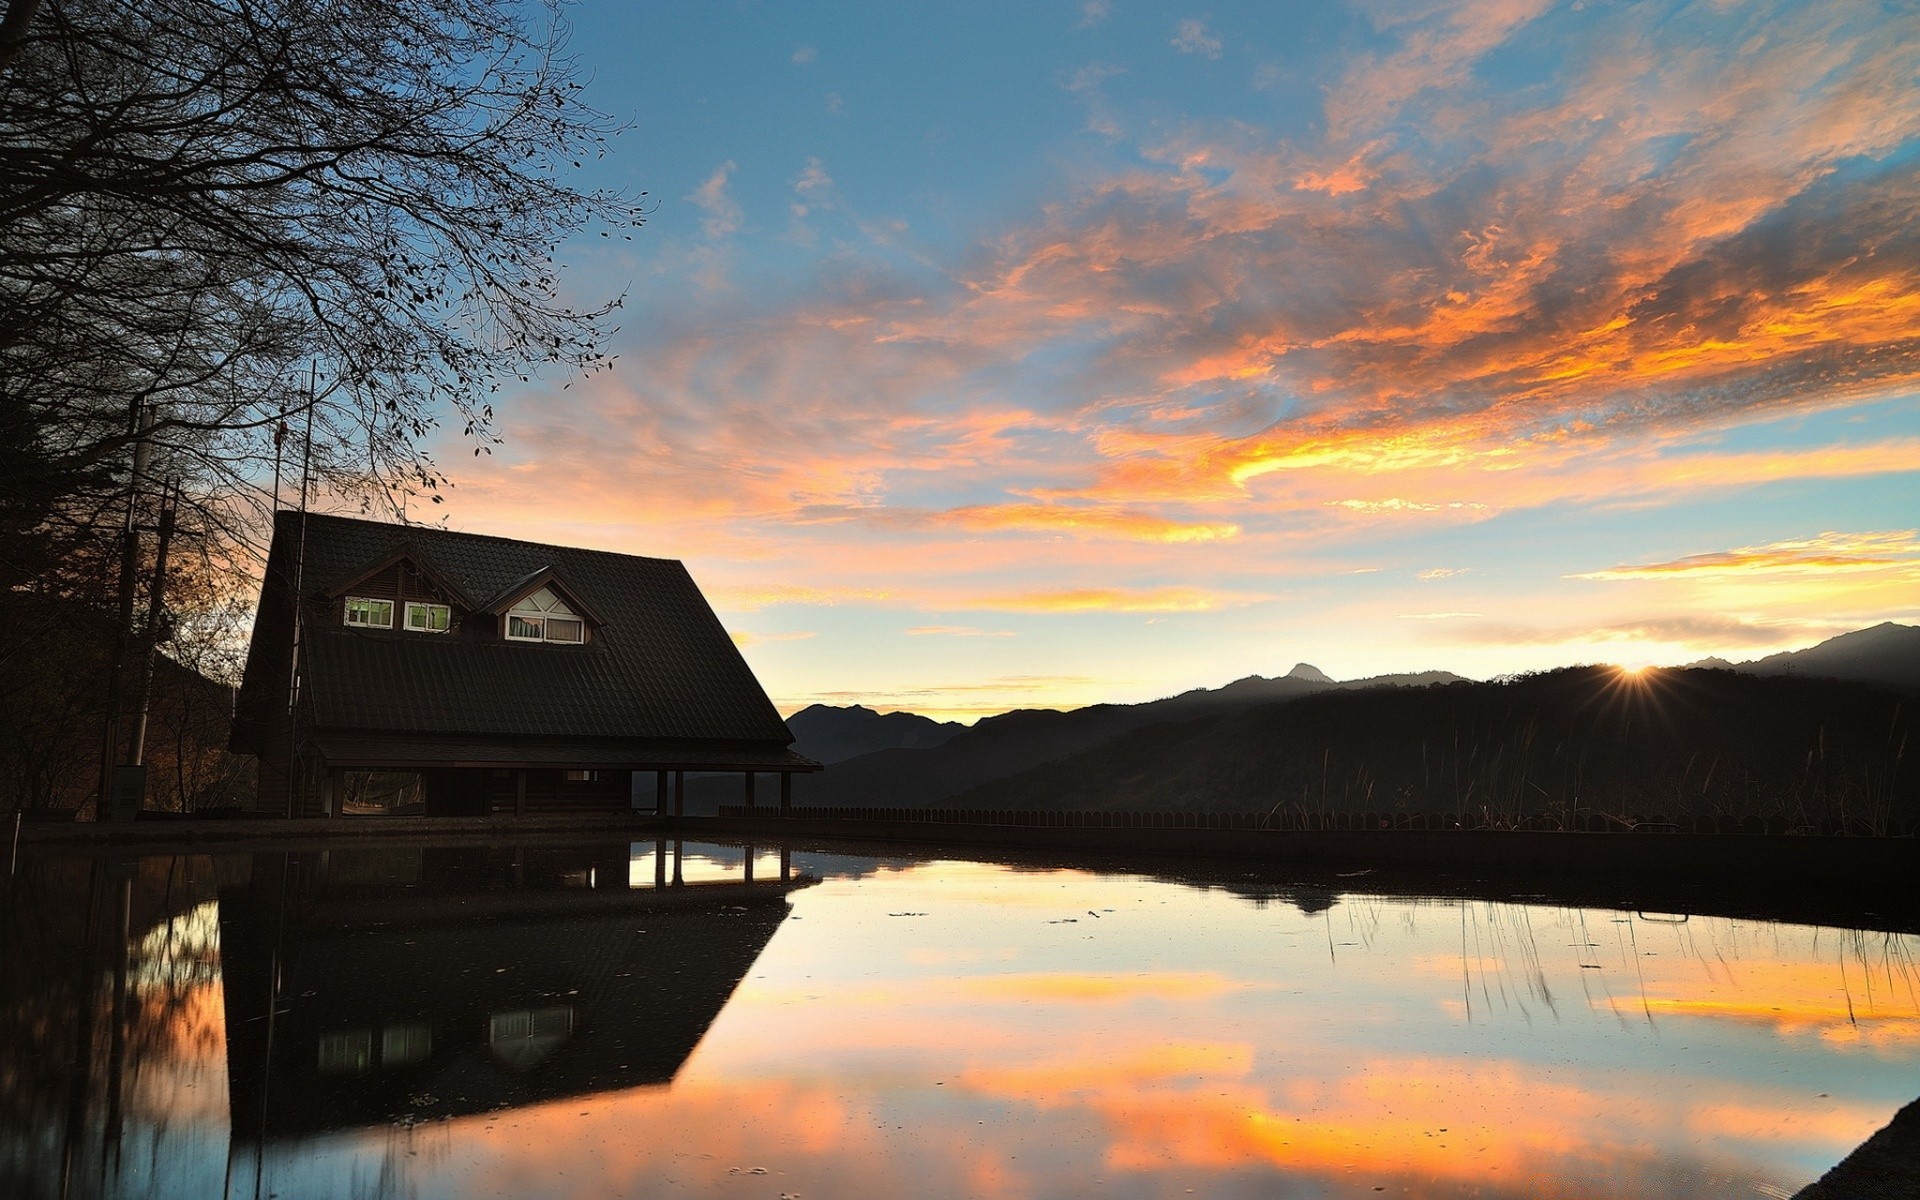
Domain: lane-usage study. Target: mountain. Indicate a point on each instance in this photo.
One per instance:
(1683, 742)
(831, 735)
(1022, 739)
(1885, 653)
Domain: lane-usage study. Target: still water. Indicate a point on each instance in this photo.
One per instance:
(572, 1022)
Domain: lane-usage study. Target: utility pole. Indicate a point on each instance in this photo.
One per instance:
(156, 630)
(140, 431)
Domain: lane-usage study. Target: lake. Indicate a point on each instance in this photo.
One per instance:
(555, 1020)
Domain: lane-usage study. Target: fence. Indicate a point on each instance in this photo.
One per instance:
(1303, 822)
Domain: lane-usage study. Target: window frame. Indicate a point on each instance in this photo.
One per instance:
(429, 607)
(541, 618)
(346, 612)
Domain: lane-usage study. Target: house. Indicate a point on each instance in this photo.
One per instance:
(397, 668)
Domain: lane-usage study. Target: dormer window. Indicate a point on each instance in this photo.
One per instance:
(544, 617)
(429, 618)
(368, 613)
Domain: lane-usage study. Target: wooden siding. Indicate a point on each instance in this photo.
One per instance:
(400, 583)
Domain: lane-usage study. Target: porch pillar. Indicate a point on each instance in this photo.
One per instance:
(749, 785)
(679, 793)
(786, 863)
(677, 881)
(659, 793)
(786, 792)
(520, 792)
(749, 850)
(333, 792)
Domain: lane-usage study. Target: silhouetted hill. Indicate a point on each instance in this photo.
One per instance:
(830, 734)
(1580, 739)
(1885, 653)
(1022, 739)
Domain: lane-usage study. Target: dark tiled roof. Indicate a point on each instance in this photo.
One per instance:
(660, 667)
(399, 750)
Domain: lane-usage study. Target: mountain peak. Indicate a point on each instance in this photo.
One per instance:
(1309, 672)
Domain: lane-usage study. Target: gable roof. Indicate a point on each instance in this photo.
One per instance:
(545, 577)
(660, 667)
(405, 554)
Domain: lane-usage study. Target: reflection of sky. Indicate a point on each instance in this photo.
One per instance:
(965, 340)
(963, 1029)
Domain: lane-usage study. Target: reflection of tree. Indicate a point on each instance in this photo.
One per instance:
(104, 967)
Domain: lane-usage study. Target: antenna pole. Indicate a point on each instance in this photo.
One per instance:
(299, 596)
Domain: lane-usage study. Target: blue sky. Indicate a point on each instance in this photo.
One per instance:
(981, 356)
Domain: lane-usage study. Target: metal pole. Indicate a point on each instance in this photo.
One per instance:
(140, 426)
(299, 600)
(156, 615)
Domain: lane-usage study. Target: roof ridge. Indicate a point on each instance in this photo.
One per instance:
(486, 537)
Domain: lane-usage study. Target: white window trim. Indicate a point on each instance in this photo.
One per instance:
(346, 612)
(539, 619)
(410, 627)
(539, 616)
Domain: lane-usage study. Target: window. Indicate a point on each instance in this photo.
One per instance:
(428, 618)
(349, 1052)
(402, 1045)
(525, 1036)
(583, 776)
(369, 614)
(544, 617)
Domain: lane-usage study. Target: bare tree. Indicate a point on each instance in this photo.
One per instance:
(199, 197)
(203, 201)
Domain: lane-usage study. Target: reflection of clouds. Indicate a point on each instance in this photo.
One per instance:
(1185, 1038)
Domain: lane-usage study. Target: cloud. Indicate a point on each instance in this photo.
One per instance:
(1829, 552)
(1087, 85)
(804, 55)
(957, 631)
(1192, 36)
(1395, 504)
(1441, 572)
(1451, 300)
(1118, 600)
(743, 638)
(1435, 616)
(1694, 631)
(752, 599)
(711, 197)
(1093, 12)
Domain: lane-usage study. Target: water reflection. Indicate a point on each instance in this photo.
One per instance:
(363, 989)
(569, 1022)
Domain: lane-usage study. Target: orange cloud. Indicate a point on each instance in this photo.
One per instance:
(1829, 552)
(1121, 600)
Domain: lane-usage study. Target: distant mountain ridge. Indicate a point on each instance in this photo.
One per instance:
(997, 746)
(902, 759)
(1691, 741)
(1886, 653)
(831, 734)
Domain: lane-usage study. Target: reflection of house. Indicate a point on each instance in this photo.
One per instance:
(432, 999)
(512, 677)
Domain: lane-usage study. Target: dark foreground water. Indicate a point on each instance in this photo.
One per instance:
(569, 1022)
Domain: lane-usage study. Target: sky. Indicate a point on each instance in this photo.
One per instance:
(980, 356)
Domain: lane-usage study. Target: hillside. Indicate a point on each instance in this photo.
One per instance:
(1885, 653)
(829, 734)
(1025, 738)
(1578, 739)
